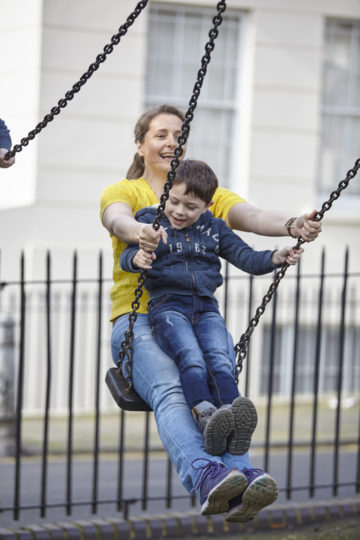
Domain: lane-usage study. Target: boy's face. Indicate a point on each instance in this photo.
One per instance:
(182, 210)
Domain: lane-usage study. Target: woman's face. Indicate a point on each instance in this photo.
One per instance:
(159, 144)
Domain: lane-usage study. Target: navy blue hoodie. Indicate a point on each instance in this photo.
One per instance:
(189, 263)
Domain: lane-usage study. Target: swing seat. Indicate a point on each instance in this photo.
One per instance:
(126, 399)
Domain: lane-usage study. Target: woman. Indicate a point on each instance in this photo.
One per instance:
(222, 484)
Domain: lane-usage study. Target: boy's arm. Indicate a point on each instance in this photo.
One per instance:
(241, 255)
(287, 254)
(126, 258)
(135, 259)
(236, 251)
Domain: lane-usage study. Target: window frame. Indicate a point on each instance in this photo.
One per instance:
(343, 112)
(237, 166)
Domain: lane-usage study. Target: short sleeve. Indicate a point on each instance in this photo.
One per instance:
(117, 192)
(224, 200)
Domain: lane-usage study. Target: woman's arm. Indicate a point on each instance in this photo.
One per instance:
(119, 220)
(244, 217)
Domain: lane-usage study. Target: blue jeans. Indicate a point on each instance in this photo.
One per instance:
(191, 330)
(156, 380)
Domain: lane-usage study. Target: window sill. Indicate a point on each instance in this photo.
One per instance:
(345, 210)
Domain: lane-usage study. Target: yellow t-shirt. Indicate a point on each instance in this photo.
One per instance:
(138, 194)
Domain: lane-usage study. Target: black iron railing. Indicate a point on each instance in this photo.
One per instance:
(95, 470)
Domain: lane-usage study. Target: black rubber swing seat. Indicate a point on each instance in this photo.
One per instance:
(126, 399)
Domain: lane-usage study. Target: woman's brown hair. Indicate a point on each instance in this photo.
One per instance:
(136, 169)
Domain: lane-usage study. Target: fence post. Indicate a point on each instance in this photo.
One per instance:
(7, 382)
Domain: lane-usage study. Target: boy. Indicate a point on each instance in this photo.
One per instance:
(181, 279)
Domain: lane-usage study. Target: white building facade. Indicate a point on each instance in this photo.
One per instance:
(278, 118)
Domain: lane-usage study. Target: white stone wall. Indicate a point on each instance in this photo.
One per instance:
(20, 76)
(50, 198)
(54, 204)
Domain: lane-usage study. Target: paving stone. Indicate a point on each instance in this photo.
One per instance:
(72, 532)
(87, 529)
(23, 534)
(278, 519)
(155, 526)
(262, 520)
(105, 529)
(216, 524)
(7, 534)
(139, 528)
(187, 524)
(55, 531)
(122, 527)
(349, 509)
(38, 532)
(201, 524)
(292, 516)
(307, 515)
(172, 527)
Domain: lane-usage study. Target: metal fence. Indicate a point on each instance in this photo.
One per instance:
(67, 449)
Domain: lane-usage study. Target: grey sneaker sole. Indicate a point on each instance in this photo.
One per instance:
(217, 431)
(245, 417)
(261, 492)
(218, 499)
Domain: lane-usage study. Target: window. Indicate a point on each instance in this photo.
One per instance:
(305, 372)
(340, 106)
(176, 40)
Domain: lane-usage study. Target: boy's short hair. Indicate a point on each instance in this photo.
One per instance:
(199, 178)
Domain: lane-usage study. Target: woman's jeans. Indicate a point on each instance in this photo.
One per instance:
(190, 329)
(156, 380)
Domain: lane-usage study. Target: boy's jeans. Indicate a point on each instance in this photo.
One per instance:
(191, 330)
(156, 380)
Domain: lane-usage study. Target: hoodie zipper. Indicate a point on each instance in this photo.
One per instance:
(189, 251)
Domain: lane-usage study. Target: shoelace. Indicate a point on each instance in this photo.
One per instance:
(210, 470)
(250, 473)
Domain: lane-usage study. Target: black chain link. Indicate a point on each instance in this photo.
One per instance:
(126, 346)
(241, 348)
(115, 40)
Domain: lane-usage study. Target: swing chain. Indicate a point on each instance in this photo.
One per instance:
(69, 95)
(241, 348)
(126, 346)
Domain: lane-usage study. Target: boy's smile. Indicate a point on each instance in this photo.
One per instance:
(183, 209)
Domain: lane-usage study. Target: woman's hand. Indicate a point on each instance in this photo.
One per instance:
(286, 254)
(143, 259)
(149, 239)
(305, 228)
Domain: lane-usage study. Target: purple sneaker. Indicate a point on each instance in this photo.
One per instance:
(217, 485)
(261, 491)
(245, 418)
